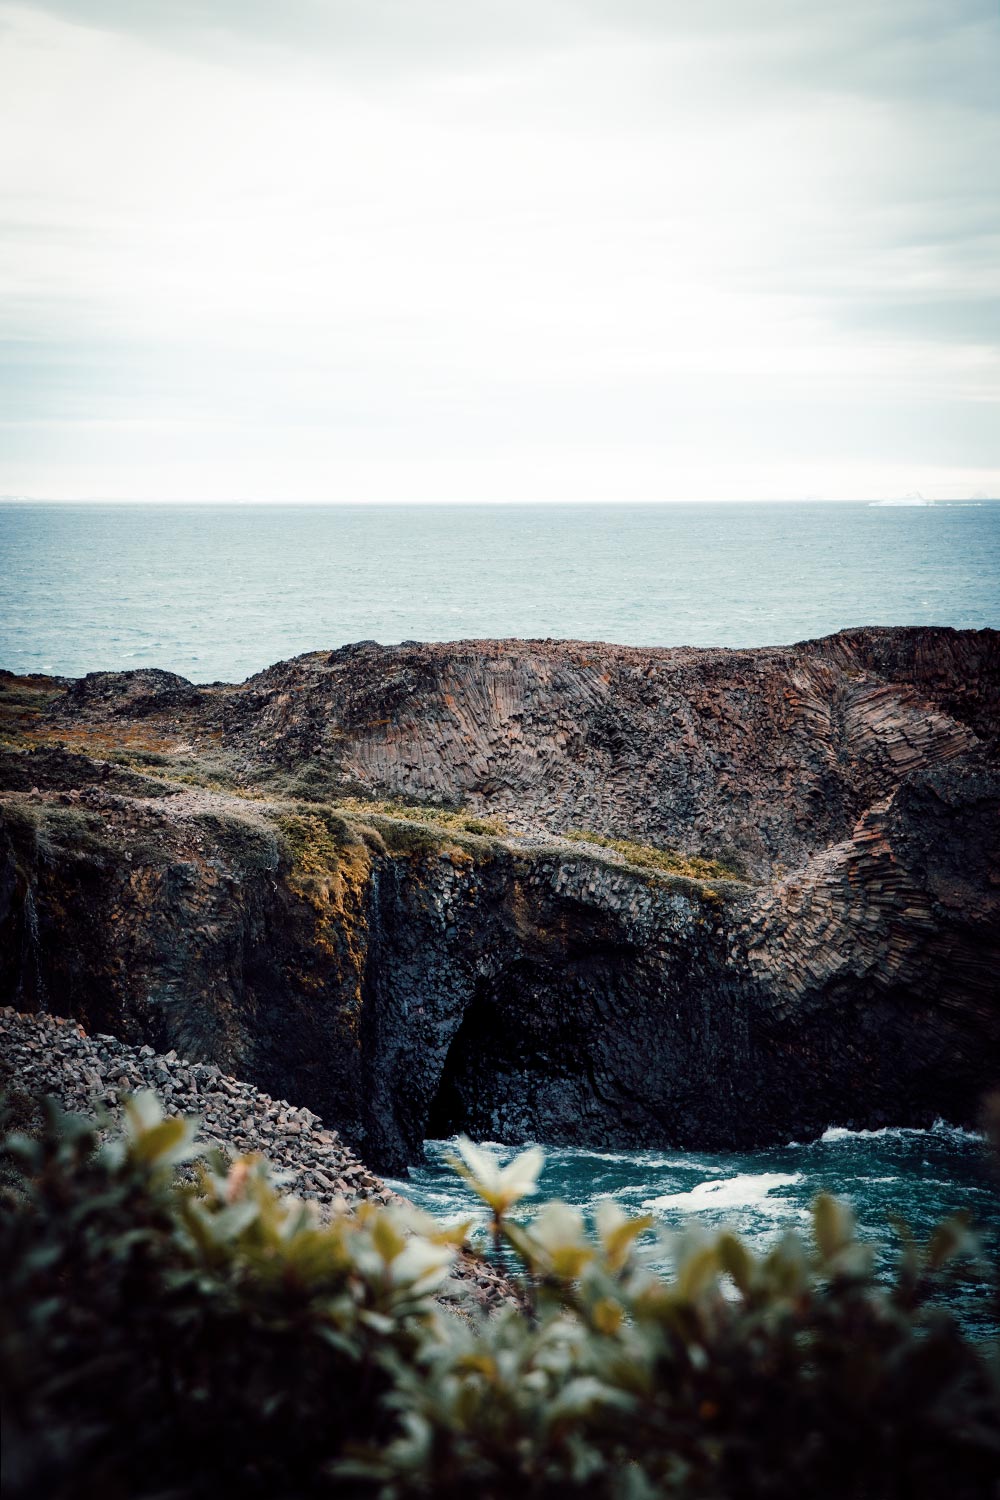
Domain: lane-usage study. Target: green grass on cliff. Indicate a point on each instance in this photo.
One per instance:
(71, 830)
(319, 838)
(454, 820)
(23, 700)
(314, 834)
(649, 857)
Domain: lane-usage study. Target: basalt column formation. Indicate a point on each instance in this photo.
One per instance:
(581, 892)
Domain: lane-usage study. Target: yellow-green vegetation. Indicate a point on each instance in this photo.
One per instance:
(73, 830)
(185, 772)
(454, 820)
(203, 773)
(213, 1337)
(149, 757)
(22, 702)
(649, 857)
(26, 697)
(330, 865)
(142, 749)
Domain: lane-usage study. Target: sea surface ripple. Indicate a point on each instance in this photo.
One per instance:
(219, 592)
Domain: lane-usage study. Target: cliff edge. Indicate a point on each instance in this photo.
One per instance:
(584, 892)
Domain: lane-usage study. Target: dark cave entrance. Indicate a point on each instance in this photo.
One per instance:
(517, 1066)
(468, 1078)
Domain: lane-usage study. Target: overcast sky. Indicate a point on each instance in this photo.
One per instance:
(458, 250)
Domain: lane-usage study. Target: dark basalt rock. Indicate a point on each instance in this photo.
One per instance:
(148, 690)
(403, 979)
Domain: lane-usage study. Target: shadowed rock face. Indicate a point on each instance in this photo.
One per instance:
(178, 865)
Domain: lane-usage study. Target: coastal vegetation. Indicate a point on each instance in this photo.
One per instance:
(175, 1324)
(650, 857)
(455, 820)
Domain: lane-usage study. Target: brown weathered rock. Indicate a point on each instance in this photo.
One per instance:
(759, 754)
(402, 979)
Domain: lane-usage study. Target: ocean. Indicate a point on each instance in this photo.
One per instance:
(219, 592)
(919, 1176)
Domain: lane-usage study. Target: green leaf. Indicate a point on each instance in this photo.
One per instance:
(386, 1238)
(166, 1144)
(833, 1225)
(735, 1259)
(696, 1272)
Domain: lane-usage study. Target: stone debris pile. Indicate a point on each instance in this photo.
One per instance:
(42, 1054)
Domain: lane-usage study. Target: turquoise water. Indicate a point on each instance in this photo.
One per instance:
(218, 592)
(921, 1175)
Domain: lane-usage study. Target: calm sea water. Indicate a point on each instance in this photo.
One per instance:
(921, 1175)
(218, 592)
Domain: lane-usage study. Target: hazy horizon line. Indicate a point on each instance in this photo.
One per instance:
(914, 501)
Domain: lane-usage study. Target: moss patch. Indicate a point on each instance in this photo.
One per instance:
(649, 857)
(23, 700)
(454, 820)
(73, 832)
(330, 867)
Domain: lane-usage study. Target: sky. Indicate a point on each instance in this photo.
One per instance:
(499, 250)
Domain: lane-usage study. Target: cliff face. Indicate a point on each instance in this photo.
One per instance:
(762, 755)
(198, 868)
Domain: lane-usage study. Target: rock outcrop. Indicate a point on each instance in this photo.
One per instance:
(422, 888)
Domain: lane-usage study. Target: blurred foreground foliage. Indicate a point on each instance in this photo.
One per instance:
(196, 1332)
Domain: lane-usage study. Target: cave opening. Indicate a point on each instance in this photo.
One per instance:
(463, 1091)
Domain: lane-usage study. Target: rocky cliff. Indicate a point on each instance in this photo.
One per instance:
(581, 892)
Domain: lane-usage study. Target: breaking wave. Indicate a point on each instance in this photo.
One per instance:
(746, 1190)
(941, 1129)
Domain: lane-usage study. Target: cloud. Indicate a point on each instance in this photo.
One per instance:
(429, 248)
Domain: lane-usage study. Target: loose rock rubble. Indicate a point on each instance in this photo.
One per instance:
(88, 1075)
(45, 1054)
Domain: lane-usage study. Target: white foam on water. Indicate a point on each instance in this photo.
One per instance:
(645, 1159)
(940, 1128)
(747, 1190)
